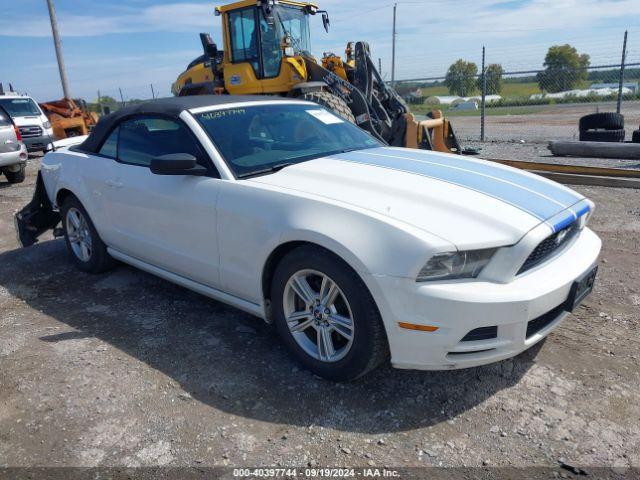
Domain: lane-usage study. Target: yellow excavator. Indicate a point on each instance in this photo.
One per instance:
(267, 46)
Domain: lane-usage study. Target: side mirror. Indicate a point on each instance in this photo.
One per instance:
(208, 45)
(325, 21)
(177, 164)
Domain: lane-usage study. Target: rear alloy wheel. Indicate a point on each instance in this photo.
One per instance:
(78, 234)
(326, 316)
(87, 250)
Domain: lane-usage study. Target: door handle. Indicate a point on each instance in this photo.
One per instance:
(114, 184)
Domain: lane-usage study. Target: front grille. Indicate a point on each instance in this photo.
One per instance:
(549, 246)
(482, 333)
(537, 324)
(30, 131)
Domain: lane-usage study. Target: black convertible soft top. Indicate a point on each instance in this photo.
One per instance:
(172, 107)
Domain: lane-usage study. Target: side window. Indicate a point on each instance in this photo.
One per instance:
(244, 37)
(110, 146)
(144, 138)
(271, 49)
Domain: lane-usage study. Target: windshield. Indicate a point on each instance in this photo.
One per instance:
(20, 107)
(258, 138)
(293, 21)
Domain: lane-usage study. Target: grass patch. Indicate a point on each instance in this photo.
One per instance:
(524, 110)
(508, 90)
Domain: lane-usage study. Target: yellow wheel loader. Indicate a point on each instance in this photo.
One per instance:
(266, 51)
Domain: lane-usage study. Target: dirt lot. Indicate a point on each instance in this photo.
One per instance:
(124, 369)
(554, 122)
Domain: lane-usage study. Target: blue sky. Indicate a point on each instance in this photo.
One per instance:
(132, 43)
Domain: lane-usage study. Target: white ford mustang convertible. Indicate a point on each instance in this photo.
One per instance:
(356, 251)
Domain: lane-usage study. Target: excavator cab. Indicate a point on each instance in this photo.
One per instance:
(266, 51)
(265, 43)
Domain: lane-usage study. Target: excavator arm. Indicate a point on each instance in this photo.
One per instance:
(377, 107)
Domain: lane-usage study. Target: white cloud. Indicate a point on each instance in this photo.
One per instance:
(172, 17)
(417, 20)
(431, 34)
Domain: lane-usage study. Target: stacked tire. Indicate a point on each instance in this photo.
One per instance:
(602, 127)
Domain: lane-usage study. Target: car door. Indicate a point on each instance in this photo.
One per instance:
(168, 221)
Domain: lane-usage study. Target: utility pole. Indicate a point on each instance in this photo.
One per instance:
(153, 93)
(484, 92)
(621, 81)
(58, 47)
(393, 49)
(121, 97)
(100, 103)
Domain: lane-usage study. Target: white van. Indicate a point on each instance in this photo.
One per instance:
(33, 124)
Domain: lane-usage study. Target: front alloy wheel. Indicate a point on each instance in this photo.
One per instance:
(325, 314)
(318, 315)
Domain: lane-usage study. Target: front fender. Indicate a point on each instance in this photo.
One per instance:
(254, 219)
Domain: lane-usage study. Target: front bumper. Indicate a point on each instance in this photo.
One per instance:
(458, 307)
(39, 143)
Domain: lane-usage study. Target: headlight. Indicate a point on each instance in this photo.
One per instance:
(446, 266)
(47, 125)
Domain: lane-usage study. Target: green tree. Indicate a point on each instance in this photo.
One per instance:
(460, 79)
(494, 79)
(565, 69)
(107, 100)
(107, 103)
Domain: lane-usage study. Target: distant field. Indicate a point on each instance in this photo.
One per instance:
(525, 110)
(508, 90)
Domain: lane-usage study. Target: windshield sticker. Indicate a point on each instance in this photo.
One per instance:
(217, 114)
(325, 117)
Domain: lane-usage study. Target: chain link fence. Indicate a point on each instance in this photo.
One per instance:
(524, 108)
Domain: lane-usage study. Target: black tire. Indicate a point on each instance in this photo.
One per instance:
(635, 137)
(99, 259)
(369, 347)
(602, 136)
(16, 177)
(605, 121)
(330, 102)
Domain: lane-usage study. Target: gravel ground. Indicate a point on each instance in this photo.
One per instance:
(538, 152)
(554, 122)
(124, 369)
(525, 137)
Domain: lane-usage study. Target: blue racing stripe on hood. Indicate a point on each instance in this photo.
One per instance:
(513, 188)
(536, 183)
(564, 219)
(567, 217)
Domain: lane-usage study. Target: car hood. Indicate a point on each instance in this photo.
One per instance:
(28, 120)
(469, 202)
